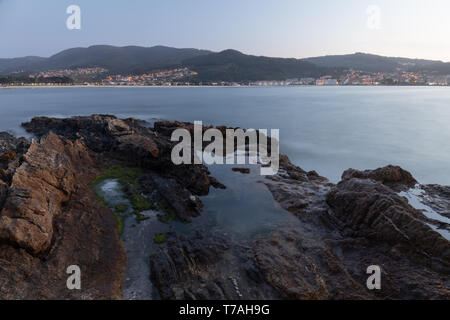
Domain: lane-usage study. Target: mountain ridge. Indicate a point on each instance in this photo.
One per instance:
(226, 65)
(132, 59)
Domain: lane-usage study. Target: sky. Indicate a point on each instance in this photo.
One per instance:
(278, 28)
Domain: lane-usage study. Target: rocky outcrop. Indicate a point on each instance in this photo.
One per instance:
(241, 170)
(437, 197)
(170, 194)
(300, 265)
(369, 209)
(44, 181)
(350, 226)
(391, 176)
(298, 191)
(132, 144)
(11, 152)
(297, 262)
(50, 220)
(207, 266)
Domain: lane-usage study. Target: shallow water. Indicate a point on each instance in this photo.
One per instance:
(413, 196)
(246, 208)
(137, 238)
(242, 211)
(327, 129)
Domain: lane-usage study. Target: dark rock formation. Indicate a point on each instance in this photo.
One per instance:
(51, 220)
(358, 223)
(216, 184)
(44, 181)
(391, 176)
(298, 191)
(300, 265)
(242, 170)
(11, 152)
(171, 194)
(129, 142)
(369, 209)
(437, 197)
(207, 266)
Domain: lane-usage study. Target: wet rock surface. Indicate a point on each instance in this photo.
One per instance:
(206, 266)
(369, 209)
(49, 174)
(128, 142)
(342, 230)
(362, 222)
(241, 170)
(50, 219)
(437, 197)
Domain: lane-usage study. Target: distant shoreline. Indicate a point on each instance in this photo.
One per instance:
(211, 86)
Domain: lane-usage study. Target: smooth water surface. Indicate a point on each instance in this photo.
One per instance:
(327, 129)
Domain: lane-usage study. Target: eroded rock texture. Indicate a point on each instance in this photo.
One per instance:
(132, 143)
(392, 176)
(342, 230)
(50, 220)
(207, 266)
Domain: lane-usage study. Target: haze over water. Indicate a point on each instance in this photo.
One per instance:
(327, 129)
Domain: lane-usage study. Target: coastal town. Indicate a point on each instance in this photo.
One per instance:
(183, 76)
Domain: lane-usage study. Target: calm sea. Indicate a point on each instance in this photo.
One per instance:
(327, 129)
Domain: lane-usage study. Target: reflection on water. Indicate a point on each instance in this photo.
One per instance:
(111, 192)
(243, 210)
(246, 207)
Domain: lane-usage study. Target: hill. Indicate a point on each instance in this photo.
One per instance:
(376, 63)
(130, 59)
(229, 65)
(232, 65)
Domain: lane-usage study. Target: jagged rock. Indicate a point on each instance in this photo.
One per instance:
(11, 152)
(51, 220)
(4, 175)
(118, 127)
(241, 170)
(298, 191)
(216, 184)
(172, 195)
(340, 231)
(166, 128)
(358, 223)
(44, 181)
(391, 176)
(8, 156)
(9, 143)
(369, 209)
(207, 266)
(3, 192)
(301, 266)
(130, 142)
(438, 198)
(139, 146)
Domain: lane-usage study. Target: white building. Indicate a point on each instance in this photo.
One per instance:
(327, 82)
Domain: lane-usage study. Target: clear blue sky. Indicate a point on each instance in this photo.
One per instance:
(285, 28)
